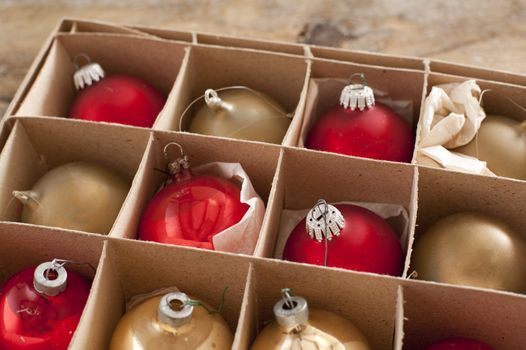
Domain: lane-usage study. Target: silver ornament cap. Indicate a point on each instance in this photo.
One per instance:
(324, 221)
(46, 285)
(88, 74)
(175, 316)
(291, 311)
(357, 95)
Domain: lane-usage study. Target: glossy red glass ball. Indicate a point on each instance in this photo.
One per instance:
(192, 210)
(376, 132)
(119, 99)
(459, 344)
(366, 243)
(30, 320)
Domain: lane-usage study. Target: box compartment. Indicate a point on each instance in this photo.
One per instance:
(36, 145)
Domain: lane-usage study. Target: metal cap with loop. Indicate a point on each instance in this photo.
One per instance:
(50, 278)
(324, 221)
(291, 311)
(88, 74)
(176, 165)
(357, 95)
(214, 102)
(174, 310)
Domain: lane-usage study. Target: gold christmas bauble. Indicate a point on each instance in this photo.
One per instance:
(78, 196)
(299, 327)
(472, 249)
(501, 143)
(159, 324)
(239, 113)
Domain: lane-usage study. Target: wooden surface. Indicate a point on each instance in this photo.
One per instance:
(489, 33)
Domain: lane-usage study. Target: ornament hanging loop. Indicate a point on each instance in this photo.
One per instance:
(77, 58)
(363, 81)
(175, 166)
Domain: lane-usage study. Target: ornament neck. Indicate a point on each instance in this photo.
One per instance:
(357, 95)
(50, 278)
(214, 102)
(88, 74)
(179, 169)
(27, 198)
(174, 310)
(291, 311)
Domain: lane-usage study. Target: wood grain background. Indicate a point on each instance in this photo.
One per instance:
(489, 33)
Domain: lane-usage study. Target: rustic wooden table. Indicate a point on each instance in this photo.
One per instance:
(490, 33)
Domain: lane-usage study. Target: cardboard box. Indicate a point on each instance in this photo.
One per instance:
(393, 312)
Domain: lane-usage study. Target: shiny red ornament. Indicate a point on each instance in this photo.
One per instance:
(191, 210)
(459, 344)
(360, 127)
(365, 242)
(33, 320)
(121, 99)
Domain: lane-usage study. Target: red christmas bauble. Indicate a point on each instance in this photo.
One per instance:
(459, 344)
(376, 132)
(33, 320)
(191, 210)
(119, 99)
(365, 243)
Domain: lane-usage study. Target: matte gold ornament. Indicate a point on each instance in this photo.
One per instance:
(298, 327)
(501, 143)
(169, 322)
(79, 196)
(238, 112)
(472, 249)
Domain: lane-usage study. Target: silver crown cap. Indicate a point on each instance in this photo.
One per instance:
(324, 221)
(357, 96)
(87, 75)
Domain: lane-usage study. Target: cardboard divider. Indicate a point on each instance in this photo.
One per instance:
(368, 302)
(257, 159)
(326, 84)
(398, 338)
(368, 58)
(83, 26)
(279, 76)
(167, 34)
(132, 268)
(462, 70)
(260, 45)
(18, 251)
(53, 92)
(434, 312)
(36, 145)
(305, 176)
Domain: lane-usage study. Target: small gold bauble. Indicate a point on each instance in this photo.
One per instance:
(501, 143)
(239, 113)
(141, 329)
(472, 249)
(78, 196)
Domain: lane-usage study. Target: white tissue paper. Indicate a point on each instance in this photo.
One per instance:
(242, 237)
(452, 117)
